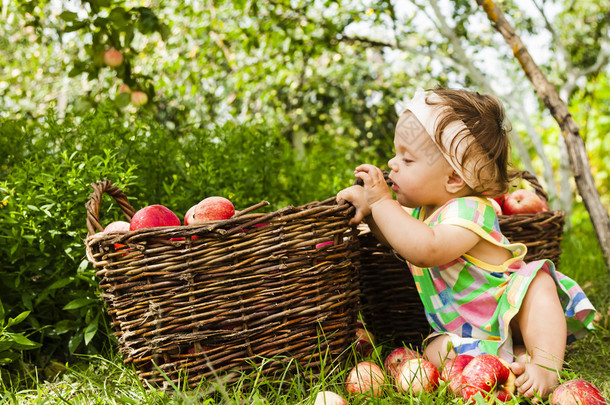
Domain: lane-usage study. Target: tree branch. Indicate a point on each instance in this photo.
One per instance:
(579, 160)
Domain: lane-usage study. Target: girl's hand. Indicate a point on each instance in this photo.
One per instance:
(355, 196)
(375, 187)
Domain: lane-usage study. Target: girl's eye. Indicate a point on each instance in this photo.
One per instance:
(407, 161)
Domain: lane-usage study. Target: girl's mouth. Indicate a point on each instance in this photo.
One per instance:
(394, 186)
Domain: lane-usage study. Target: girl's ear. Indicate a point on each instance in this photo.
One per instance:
(455, 183)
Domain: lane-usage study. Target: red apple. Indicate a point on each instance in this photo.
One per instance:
(329, 398)
(523, 202)
(396, 357)
(117, 226)
(188, 217)
(577, 392)
(139, 98)
(113, 58)
(366, 378)
(365, 342)
(212, 209)
(153, 216)
(500, 199)
(497, 206)
(490, 375)
(416, 375)
(451, 372)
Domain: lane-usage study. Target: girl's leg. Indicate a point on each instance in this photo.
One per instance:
(540, 325)
(436, 350)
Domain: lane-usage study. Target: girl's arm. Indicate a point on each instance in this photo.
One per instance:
(415, 241)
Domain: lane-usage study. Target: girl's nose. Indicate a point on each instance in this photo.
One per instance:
(392, 164)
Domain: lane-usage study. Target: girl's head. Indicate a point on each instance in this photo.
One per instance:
(470, 131)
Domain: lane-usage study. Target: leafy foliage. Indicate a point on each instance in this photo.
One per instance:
(45, 272)
(12, 343)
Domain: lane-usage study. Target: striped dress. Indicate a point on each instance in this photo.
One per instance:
(472, 301)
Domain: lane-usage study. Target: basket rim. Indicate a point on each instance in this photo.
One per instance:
(238, 223)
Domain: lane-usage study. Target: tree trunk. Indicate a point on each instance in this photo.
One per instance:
(579, 161)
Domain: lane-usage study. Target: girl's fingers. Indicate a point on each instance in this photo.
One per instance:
(370, 175)
(357, 218)
(365, 168)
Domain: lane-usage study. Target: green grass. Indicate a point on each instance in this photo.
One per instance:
(99, 380)
(583, 261)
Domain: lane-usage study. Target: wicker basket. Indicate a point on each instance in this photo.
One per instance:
(389, 302)
(541, 232)
(254, 287)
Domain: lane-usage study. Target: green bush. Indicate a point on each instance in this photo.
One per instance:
(42, 231)
(45, 183)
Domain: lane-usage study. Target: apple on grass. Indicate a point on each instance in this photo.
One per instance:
(397, 356)
(365, 342)
(577, 392)
(365, 378)
(113, 58)
(523, 201)
(416, 375)
(329, 398)
(490, 375)
(212, 209)
(451, 372)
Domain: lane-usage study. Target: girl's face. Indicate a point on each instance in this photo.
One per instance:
(419, 170)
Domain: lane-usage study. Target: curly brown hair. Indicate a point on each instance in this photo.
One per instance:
(484, 117)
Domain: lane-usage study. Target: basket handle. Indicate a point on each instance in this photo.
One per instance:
(525, 175)
(95, 200)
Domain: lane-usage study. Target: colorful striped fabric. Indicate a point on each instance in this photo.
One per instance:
(473, 301)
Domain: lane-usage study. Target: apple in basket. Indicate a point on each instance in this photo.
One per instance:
(396, 357)
(523, 201)
(212, 209)
(577, 392)
(365, 378)
(188, 217)
(153, 216)
(490, 375)
(416, 375)
(117, 226)
(329, 398)
(452, 372)
(500, 199)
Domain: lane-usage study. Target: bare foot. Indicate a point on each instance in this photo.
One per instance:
(534, 380)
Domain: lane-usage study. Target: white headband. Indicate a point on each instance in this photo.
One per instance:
(428, 116)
